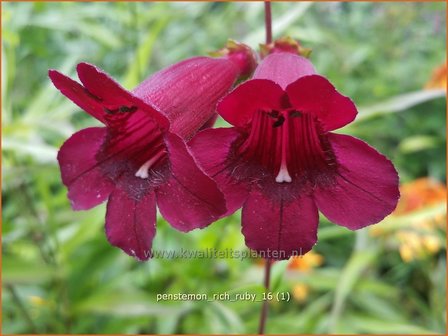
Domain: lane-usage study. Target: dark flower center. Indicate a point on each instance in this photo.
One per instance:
(289, 144)
(134, 152)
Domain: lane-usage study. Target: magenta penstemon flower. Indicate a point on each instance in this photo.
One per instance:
(140, 157)
(281, 162)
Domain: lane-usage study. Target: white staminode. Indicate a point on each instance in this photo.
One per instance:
(143, 171)
(283, 175)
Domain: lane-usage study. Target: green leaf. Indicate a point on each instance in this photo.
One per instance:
(20, 272)
(230, 321)
(41, 152)
(143, 54)
(304, 321)
(95, 31)
(333, 231)
(399, 103)
(327, 279)
(121, 302)
(393, 223)
(366, 324)
(100, 34)
(252, 288)
(379, 307)
(277, 274)
(418, 143)
(358, 262)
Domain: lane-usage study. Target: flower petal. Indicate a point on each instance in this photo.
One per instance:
(211, 148)
(78, 94)
(289, 228)
(115, 98)
(189, 199)
(316, 95)
(131, 224)
(238, 106)
(187, 92)
(284, 68)
(366, 187)
(80, 170)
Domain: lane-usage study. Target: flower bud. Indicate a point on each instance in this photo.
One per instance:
(187, 92)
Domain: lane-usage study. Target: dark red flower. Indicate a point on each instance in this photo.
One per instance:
(281, 163)
(140, 157)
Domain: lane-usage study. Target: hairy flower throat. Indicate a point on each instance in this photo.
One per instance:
(287, 143)
(143, 171)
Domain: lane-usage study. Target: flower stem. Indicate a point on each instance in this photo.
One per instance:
(264, 308)
(267, 267)
(268, 21)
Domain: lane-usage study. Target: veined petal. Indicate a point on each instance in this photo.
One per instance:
(78, 94)
(288, 228)
(189, 199)
(239, 106)
(116, 101)
(187, 92)
(212, 149)
(87, 186)
(365, 189)
(284, 68)
(317, 96)
(131, 224)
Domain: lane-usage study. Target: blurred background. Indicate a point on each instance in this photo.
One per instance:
(59, 274)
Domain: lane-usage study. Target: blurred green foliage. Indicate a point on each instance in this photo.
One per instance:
(59, 273)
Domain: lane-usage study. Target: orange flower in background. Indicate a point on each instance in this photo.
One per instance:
(303, 263)
(419, 194)
(300, 292)
(420, 238)
(438, 78)
(414, 245)
(306, 262)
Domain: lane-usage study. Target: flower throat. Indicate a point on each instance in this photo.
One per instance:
(288, 143)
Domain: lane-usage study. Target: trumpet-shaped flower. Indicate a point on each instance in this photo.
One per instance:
(280, 161)
(140, 158)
